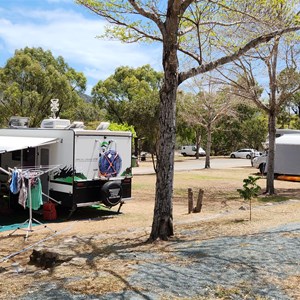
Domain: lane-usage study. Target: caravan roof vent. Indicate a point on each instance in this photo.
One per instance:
(18, 122)
(55, 123)
(103, 126)
(77, 125)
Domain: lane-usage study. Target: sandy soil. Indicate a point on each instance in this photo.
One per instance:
(102, 236)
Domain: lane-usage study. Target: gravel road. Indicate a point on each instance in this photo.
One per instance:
(235, 267)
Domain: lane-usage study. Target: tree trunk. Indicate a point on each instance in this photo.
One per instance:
(271, 154)
(162, 226)
(198, 207)
(190, 200)
(198, 139)
(208, 149)
(273, 110)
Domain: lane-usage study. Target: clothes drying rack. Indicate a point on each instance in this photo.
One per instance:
(31, 173)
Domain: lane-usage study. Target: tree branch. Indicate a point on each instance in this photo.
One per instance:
(228, 58)
(148, 15)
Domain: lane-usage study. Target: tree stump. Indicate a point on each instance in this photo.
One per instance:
(190, 200)
(198, 207)
(48, 258)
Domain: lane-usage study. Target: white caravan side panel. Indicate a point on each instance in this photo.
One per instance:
(287, 151)
(90, 146)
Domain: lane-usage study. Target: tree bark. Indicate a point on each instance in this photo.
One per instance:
(198, 139)
(190, 200)
(162, 226)
(273, 110)
(271, 154)
(198, 207)
(208, 149)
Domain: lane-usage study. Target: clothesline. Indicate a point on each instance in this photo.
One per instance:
(30, 173)
(33, 171)
(5, 171)
(31, 195)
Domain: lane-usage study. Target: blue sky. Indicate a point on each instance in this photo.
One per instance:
(68, 30)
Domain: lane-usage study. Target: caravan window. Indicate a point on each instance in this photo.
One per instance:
(16, 155)
(26, 157)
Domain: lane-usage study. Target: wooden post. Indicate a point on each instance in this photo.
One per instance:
(198, 207)
(190, 200)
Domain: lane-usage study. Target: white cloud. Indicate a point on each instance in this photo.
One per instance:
(73, 36)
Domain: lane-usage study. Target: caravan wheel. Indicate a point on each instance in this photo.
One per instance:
(112, 193)
(262, 168)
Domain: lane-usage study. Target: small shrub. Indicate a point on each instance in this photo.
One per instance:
(250, 190)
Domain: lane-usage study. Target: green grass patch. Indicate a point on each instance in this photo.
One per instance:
(273, 198)
(232, 196)
(181, 192)
(142, 186)
(185, 176)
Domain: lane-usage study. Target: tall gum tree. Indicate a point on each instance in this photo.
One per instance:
(275, 62)
(187, 29)
(31, 78)
(277, 93)
(206, 109)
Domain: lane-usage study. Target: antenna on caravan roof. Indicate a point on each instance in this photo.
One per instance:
(54, 107)
(53, 121)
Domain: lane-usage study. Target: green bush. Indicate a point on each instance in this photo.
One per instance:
(250, 189)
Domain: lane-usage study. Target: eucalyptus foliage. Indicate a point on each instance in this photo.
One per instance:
(30, 79)
(131, 95)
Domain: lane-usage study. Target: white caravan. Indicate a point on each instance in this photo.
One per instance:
(93, 166)
(287, 149)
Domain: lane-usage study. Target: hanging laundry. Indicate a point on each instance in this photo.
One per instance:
(15, 183)
(36, 194)
(23, 193)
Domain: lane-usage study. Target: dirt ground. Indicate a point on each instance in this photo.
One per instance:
(93, 245)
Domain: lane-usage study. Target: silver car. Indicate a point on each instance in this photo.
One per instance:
(259, 162)
(245, 153)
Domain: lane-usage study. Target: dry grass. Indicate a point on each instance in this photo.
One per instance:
(99, 239)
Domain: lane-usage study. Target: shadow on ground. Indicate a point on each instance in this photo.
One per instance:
(13, 219)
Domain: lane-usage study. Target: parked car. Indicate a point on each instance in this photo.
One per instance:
(245, 153)
(259, 162)
(191, 151)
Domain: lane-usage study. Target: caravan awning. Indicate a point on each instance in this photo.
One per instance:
(12, 143)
